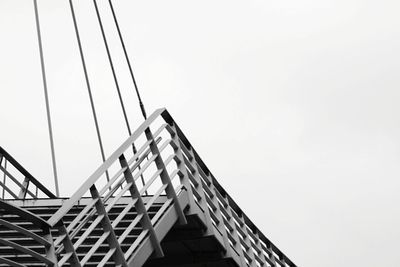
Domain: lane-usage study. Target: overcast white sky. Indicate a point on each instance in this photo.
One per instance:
(293, 105)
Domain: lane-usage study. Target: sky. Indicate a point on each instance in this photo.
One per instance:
(293, 106)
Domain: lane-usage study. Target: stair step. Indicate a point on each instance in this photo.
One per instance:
(46, 212)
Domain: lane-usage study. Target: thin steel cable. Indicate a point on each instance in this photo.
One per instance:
(88, 84)
(116, 80)
(127, 60)
(112, 67)
(50, 128)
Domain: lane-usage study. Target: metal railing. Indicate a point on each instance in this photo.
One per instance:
(41, 238)
(243, 241)
(17, 183)
(143, 198)
(153, 162)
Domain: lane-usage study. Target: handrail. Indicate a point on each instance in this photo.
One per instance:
(24, 172)
(168, 118)
(44, 238)
(100, 171)
(29, 216)
(241, 238)
(124, 183)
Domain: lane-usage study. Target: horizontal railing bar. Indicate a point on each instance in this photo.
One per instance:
(129, 228)
(270, 261)
(257, 257)
(155, 196)
(24, 172)
(112, 180)
(161, 211)
(197, 194)
(224, 212)
(150, 181)
(140, 160)
(242, 233)
(192, 179)
(174, 174)
(221, 199)
(124, 212)
(247, 256)
(279, 261)
(144, 167)
(214, 217)
(243, 242)
(11, 263)
(9, 190)
(137, 241)
(107, 257)
(64, 259)
(189, 164)
(22, 230)
(231, 238)
(159, 130)
(26, 250)
(81, 214)
(203, 175)
(140, 152)
(87, 232)
(27, 215)
(118, 197)
(165, 144)
(179, 188)
(236, 217)
(227, 224)
(211, 203)
(9, 175)
(94, 247)
(253, 237)
(185, 149)
(207, 189)
(102, 169)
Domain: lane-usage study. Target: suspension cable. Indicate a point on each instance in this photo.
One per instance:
(112, 67)
(127, 60)
(88, 84)
(116, 80)
(50, 128)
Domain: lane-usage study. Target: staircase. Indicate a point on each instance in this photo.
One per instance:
(157, 205)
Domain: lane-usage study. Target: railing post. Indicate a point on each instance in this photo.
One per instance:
(272, 256)
(180, 162)
(24, 188)
(140, 207)
(50, 250)
(199, 188)
(112, 240)
(4, 177)
(213, 198)
(237, 245)
(259, 248)
(68, 246)
(247, 241)
(166, 180)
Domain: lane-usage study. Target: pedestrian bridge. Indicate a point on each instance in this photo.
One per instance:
(153, 202)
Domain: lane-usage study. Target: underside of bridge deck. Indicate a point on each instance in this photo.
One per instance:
(187, 245)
